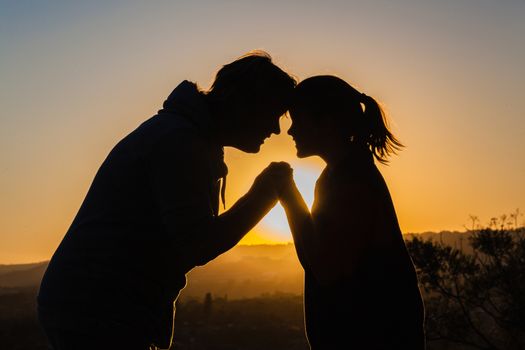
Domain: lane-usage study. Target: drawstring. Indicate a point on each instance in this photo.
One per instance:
(153, 346)
(223, 191)
(221, 171)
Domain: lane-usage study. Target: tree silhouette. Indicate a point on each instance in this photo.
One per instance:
(474, 220)
(474, 300)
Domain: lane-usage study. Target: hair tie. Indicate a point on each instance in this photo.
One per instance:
(364, 97)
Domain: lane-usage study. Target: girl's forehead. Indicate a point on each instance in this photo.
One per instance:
(300, 113)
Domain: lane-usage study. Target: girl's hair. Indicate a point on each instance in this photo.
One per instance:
(327, 95)
(251, 77)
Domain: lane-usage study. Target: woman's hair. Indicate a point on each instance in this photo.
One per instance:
(330, 96)
(252, 77)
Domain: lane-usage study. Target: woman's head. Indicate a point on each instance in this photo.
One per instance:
(249, 95)
(325, 110)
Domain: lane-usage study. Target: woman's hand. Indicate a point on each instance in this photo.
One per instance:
(274, 179)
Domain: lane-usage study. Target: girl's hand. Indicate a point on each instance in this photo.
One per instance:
(274, 178)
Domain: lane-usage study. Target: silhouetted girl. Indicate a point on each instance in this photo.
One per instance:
(361, 288)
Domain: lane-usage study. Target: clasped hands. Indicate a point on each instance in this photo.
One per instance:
(275, 180)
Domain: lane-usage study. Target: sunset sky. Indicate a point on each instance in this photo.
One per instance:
(76, 77)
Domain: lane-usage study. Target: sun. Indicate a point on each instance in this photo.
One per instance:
(275, 223)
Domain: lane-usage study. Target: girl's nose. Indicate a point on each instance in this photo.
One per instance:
(277, 129)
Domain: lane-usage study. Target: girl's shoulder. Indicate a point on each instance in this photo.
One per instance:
(351, 175)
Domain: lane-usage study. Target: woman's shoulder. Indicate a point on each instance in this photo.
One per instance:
(353, 175)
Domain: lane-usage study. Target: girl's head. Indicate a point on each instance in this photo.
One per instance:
(327, 111)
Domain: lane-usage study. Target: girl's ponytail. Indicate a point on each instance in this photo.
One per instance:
(375, 131)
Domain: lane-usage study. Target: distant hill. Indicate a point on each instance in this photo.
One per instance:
(244, 271)
(248, 271)
(22, 275)
(456, 239)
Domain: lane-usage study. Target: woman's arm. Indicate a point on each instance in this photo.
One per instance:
(300, 222)
(330, 245)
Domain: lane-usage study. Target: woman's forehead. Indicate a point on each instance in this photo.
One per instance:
(300, 112)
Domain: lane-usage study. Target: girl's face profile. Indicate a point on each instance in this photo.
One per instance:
(305, 133)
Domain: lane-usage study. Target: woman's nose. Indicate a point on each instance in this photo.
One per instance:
(276, 129)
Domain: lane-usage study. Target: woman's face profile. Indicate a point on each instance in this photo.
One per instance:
(305, 133)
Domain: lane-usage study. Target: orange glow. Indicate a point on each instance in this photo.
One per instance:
(76, 79)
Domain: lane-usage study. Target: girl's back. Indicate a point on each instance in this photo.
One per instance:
(375, 302)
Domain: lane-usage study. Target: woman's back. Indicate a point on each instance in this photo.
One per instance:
(361, 286)
(375, 302)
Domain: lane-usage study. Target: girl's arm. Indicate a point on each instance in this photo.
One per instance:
(331, 246)
(300, 222)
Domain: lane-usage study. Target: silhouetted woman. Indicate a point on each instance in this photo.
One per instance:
(361, 289)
